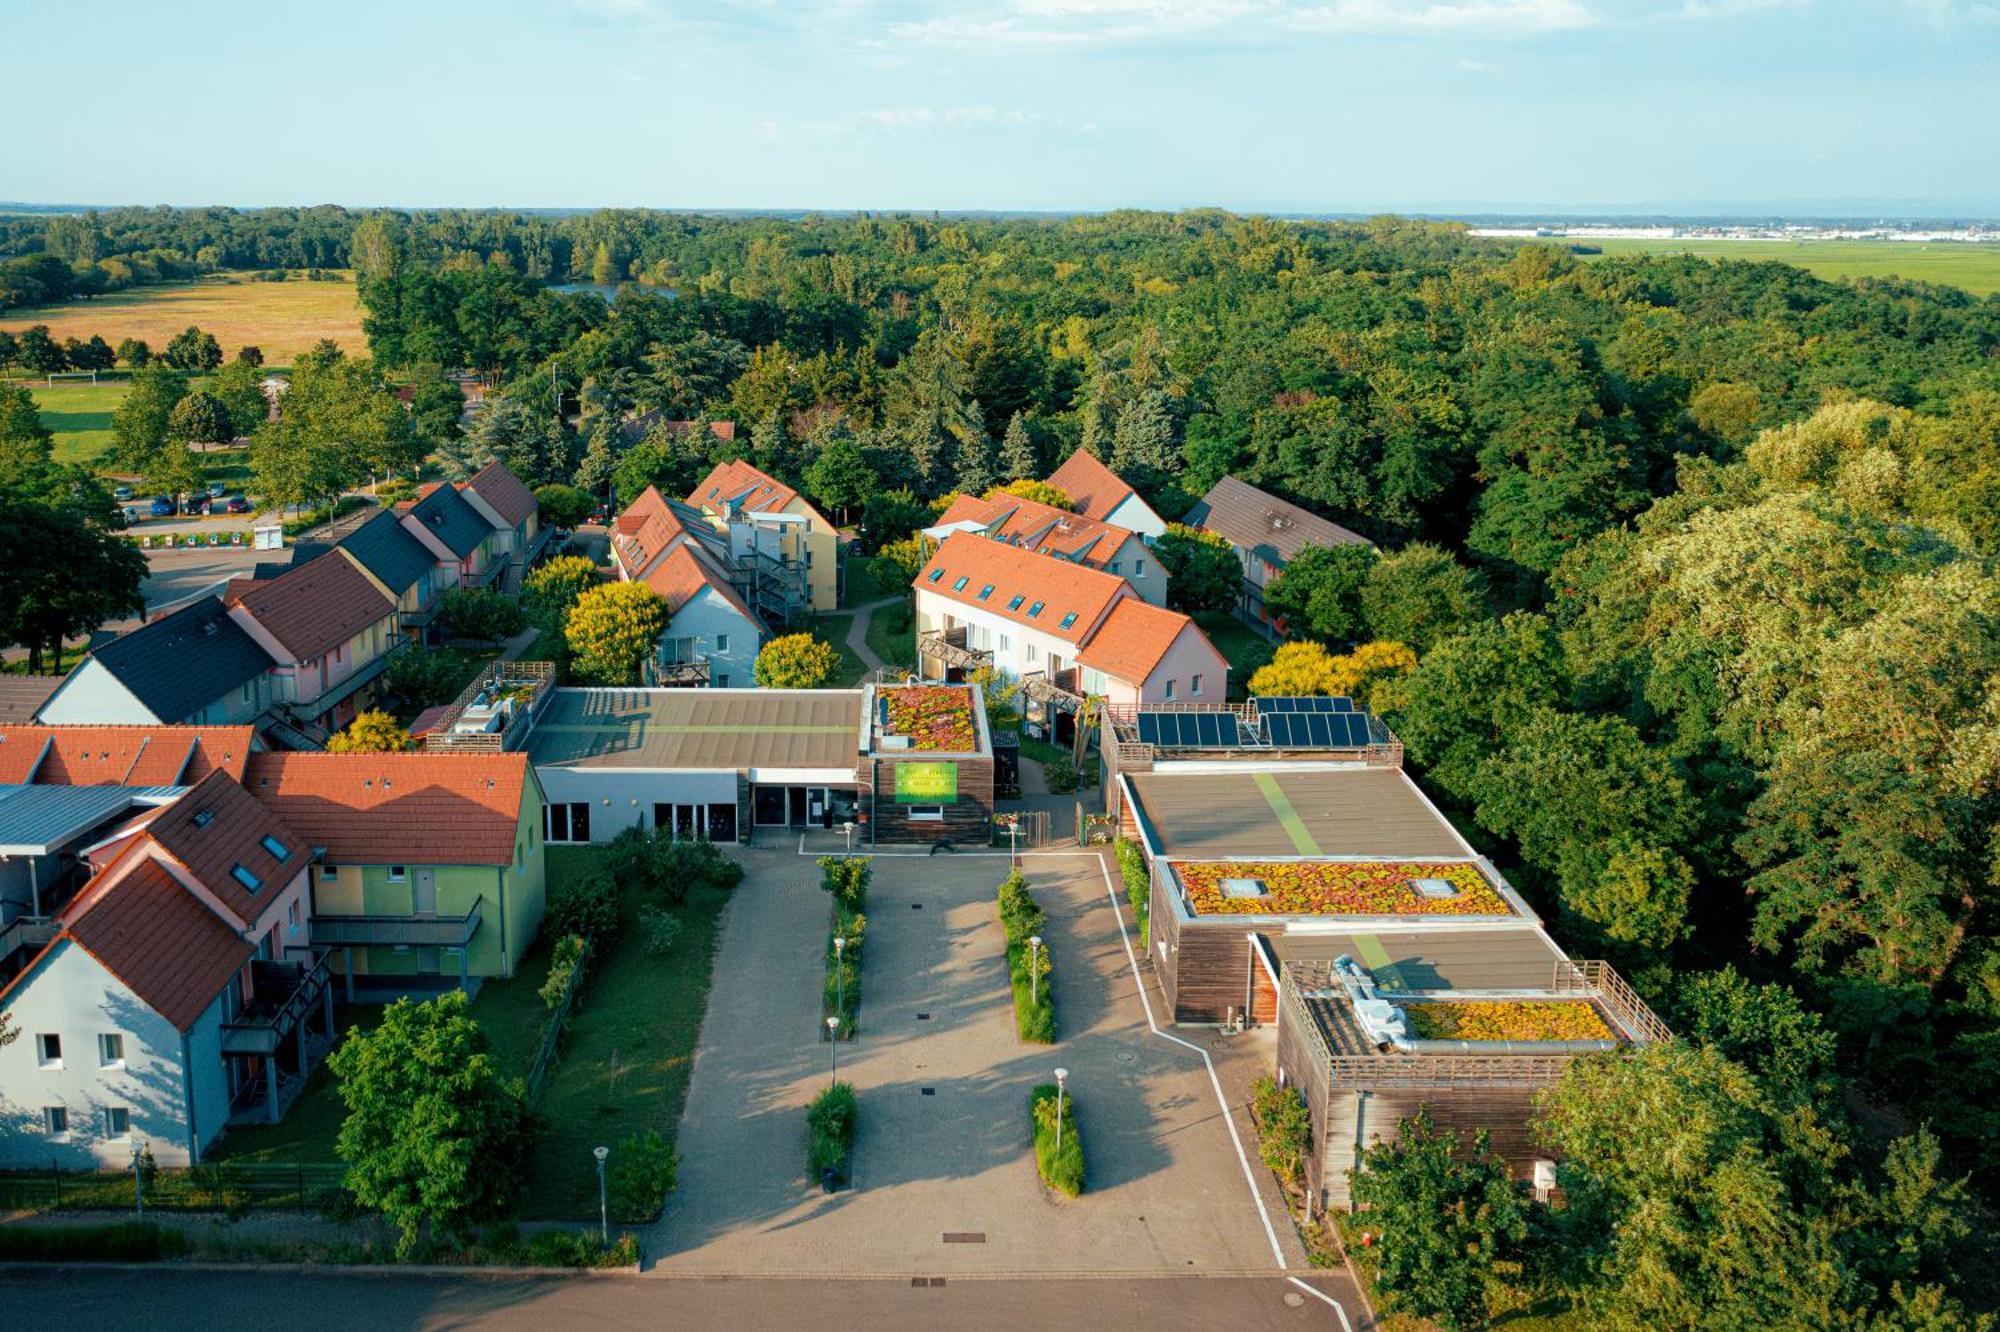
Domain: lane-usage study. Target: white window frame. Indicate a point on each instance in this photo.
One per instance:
(399, 873)
(111, 1129)
(1172, 686)
(49, 1114)
(42, 1057)
(722, 644)
(1194, 685)
(105, 1057)
(926, 814)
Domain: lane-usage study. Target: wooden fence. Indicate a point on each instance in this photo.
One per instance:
(548, 1055)
(222, 1187)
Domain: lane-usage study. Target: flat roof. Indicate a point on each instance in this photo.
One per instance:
(1412, 961)
(1292, 810)
(698, 728)
(1341, 1028)
(36, 820)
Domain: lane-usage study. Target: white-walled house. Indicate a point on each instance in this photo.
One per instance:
(1081, 630)
(180, 990)
(515, 515)
(195, 667)
(713, 635)
(1095, 491)
(1047, 530)
(1267, 534)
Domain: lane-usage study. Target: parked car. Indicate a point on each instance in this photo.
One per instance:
(122, 493)
(163, 506)
(217, 489)
(237, 504)
(196, 506)
(134, 512)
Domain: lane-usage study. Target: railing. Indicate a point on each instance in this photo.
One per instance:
(681, 674)
(1602, 981)
(552, 1031)
(225, 1186)
(260, 1035)
(934, 644)
(417, 931)
(539, 676)
(1446, 1072)
(1039, 687)
(26, 932)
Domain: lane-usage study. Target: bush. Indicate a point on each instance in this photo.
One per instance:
(846, 877)
(1020, 914)
(1138, 888)
(563, 963)
(661, 927)
(470, 612)
(576, 1248)
(643, 1170)
(563, 506)
(1021, 918)
(830, 1131)
(842, 991)
(1061, 1170)
(114, 1242)
(1284, 1127)
(586, 907)
(1060, 772)
(417, 679)
(659, 865)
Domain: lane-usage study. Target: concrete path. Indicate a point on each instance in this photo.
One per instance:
(857, 632)
(944, 1145)
(512, 649)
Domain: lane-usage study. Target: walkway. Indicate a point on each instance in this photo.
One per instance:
(857, 633)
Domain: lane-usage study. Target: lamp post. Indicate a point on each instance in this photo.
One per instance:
(839, 974)
(1014, 844)
(1062, 1079)
(847, 831)
(603, 1210)
(1034, 971)
(138, 1179)
(833, 1044)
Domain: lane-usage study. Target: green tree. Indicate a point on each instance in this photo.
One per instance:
(1420, 595)
(1203, 571)
(613, 629)
(437, 406)
(38, 351)
(1019, 459)
(594, 472)
(563, 506)
(140, 424)
(63, 572)
(194, 351)
(890, 516)
(840, 477)
(372, 732)
(795, 661)
(24, 437)
(199, 418)
(1447, 1221)
(1319, 593)
(1763, 1028)
(1471, 692)
(239, 387)
(1147, 441)
(251, 356)
(434, 1138)
(134, 352)
(338, 422)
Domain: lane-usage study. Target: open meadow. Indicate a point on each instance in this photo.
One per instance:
(1976, 268)
(280, 318)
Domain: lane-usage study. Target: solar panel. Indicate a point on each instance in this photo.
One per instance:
(1270, 705)
(1285, 728)
(1209, 726)
(1149, 728)
(1352, 729)
(1339, 705)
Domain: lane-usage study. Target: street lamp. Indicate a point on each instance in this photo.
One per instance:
(138, 1178)
(1014, 844)
(1062, 1078)
(839, 974)
(833, 1043)
(1034, 971)
(603, 1210)
(847, 831)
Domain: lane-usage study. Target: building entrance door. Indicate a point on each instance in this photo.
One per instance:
(424, 891)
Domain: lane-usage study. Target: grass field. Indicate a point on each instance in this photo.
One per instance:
(280, 318)
(79, 416)
(1976, 268)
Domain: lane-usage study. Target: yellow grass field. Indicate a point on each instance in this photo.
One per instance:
(280, 318)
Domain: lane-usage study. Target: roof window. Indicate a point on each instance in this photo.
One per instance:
(1067, 620)
(986, 592)
(1015, 604)
(1436, 890)
(959, 586)
(203, 817)
(1036, 609)
(246, 878)
(936, 574)
(279, 851)
(1244, 888)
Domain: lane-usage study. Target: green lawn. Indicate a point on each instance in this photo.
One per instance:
(79, 416)
(1976, 268)
(833, 629)
(306, 1134)
(861, 587)
(892, 635)
(1245, 648)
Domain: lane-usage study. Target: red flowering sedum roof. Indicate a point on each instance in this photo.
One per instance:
(937, 718)
(1339, 888)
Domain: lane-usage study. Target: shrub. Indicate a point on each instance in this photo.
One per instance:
(661, 927)
(417, 679)
(846, 877)
(842, 991)
(469, 612)
(586, 906)
(1021, 918)
(114, 1242)
(1020, 914)
(1138, 888)
(563, 962)
(643, 1170)
(563, 506)
(657, 864)
(576, 1248)
(830, 1131)
(1061, 1170)
(1060, 773)
(1284, 1127)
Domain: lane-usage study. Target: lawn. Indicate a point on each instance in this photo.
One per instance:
(306, 1134)
(280, 318)
(1245, 648)
(1976, 268)
(892, 635)
(832, 629)
(79, 416)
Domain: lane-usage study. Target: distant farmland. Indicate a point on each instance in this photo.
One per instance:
(280, 318)
(1976, 268)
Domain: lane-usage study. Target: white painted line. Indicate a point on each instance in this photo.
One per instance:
(1229, 1120)
(1317, 1293)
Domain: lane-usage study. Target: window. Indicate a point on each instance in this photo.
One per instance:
(398, 873)
(1170, 690)
(936, 574)
(246, 878)
(328, 872)
(1036, 609)
(927, 813)
(110, 1050)
(48, 1050)
(1115, 567)
(1138, 568)
(722, 643)
(117, 1121)
(1034, 654)
(959, 586)
(1067, 620)
(1194, 683)
(1015, 604)
(569, 822)
(292, 915)
(56, 1120)
(722, 680)
(1005, 642)
(986, 592)
(279, 851)
(203, 817)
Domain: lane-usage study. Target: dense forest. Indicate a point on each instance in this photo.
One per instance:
(1697, 559)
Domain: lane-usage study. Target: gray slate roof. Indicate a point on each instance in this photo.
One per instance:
(387, 550)
(457, 524)
(1272, 529)
(178, 664)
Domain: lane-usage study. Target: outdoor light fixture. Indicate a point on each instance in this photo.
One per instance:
(603, 1211)
(1062, 1080)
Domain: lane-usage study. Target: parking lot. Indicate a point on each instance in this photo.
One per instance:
(943, 1146)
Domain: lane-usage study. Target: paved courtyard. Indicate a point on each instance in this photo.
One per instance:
(943, 1083)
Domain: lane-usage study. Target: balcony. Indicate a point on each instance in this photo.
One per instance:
(409, 931)
(947, 648)
(680, 674)
(285, 995)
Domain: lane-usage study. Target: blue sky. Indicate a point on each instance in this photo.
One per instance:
(1280, 105)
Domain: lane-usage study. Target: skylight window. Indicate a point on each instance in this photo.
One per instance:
(1436, 890)
(246, 878)
(936, 574)
(1015, 604)
(203, 817)
(986, 592)
(1036, 609)
(1244, 888)
(1067, 620)
(279, 851)
(959, 586)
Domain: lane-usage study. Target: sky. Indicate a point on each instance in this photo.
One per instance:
(1851, 107)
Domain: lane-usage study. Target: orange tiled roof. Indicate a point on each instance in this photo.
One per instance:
(966, 565)
(738, 480)
(1133, 638)
(218, 827)
(1092, 487)
(646, 530)
(121, 755)
(395, 809)
(508, 495)
(685, 572)
(316, 607)
(1035, 526)
(162, 941)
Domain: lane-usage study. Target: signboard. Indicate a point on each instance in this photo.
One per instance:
(926, 783)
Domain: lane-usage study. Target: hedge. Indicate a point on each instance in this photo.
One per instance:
(1061, 1170)
(1138, 889)
(830, 1133)
(845, 879)
(1021, 917)
(116, 1242)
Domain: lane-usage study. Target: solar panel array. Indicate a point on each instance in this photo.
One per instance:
(1305, 703)
(1190, 730)
(1321, 730)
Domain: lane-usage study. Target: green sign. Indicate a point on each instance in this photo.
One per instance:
(926, 783)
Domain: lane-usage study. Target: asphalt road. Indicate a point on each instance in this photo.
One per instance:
(167, 1299)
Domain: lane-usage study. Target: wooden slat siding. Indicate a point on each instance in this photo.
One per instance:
(743, 807)
(1263, 994)
(968, 820)
(1504, 1114)
(1210, 981)
(1302, 1061)
(1166, 931)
